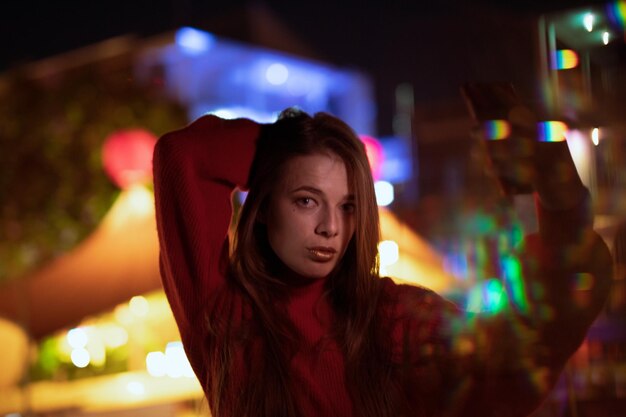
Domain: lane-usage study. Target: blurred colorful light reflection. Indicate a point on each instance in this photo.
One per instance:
(564, 59)
(487, 297)
(194, 41)
(496, 129)
(552, 131)
(617, 13)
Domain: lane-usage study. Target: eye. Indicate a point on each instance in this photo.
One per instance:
(305, 202)
(348, 208)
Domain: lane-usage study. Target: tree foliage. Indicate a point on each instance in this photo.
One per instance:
(53, 190)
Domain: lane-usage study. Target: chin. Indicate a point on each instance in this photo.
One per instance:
(313, 276)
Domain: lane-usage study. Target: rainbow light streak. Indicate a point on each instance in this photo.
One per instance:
(512, 275)
(552, 131)
(516, 234)
(488, 297)
(495, 296)
(616, 12)
(564, 59)
(496, 129)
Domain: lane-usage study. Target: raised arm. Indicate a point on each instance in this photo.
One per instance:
(562, 282)
(196, 170)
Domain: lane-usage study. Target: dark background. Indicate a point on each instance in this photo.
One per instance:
(352, 33)
(30, 30)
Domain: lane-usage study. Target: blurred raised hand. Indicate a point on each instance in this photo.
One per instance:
(520, 154)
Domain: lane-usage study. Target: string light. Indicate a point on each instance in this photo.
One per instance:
(588, 22)
(595, 136)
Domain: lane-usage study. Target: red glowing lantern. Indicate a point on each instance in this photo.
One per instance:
(374, 151)
(127, 156)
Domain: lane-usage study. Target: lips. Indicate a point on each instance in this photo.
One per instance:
(322, 253)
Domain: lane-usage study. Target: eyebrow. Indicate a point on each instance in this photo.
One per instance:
(317, 191)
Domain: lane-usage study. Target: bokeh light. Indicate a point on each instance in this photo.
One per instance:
(77, 338)
(552, 131)
(123, 314)
(277, 74)
(583, 282)
(564, 59)
(616, 12)
(156, 364)
(127, 156)
(113, 336)
(389, 252)
(514, 281)
(595, 136)
(141, 200)
(139, 306)
(487, 297)
(194, 41)
(375, 154)
(136, 388)
(496, 129)
(80, 357)
(384, 193)
(588, 20)
(97, 352)
(177, 364)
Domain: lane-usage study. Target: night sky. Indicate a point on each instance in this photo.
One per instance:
(433, 46)
(30, 30)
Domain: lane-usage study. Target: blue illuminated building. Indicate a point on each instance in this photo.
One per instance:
(210, 74)
(207, 73)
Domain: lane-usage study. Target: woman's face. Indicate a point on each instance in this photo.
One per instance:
(310, 217)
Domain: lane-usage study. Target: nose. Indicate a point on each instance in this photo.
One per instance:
(328, 224)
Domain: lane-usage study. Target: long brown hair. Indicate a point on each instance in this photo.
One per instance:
(354, 290)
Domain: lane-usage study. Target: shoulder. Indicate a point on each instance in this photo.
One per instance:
(410, 295)
(415, 303)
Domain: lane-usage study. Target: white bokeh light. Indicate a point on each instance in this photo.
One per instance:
(136, 388)
(384, 193)
(77, 338)
(80, 357)
(389, 252)
(277, 74)
(156, 364)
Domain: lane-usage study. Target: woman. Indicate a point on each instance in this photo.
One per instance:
(295, 321)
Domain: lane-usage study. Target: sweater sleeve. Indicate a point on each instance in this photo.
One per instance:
(565, 271)
(505, 364)
(196, 170)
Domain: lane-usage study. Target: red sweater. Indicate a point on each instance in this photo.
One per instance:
(457, 364)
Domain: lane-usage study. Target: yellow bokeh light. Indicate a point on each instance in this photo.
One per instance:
(123, 315)
(113, 336)
(141, 200)
(139, 306)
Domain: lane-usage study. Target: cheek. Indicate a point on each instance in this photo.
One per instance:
(282, 228)
(350, 228)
